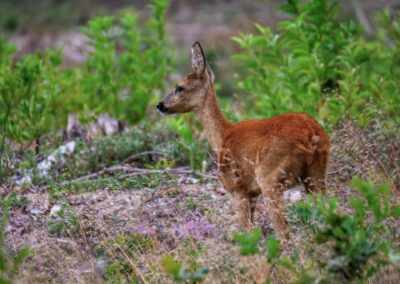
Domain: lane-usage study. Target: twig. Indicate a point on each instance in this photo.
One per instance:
(135, 156)
(133, 171)
(177, 171)
(109, 170)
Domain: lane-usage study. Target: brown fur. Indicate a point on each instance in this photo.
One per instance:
(255, 157)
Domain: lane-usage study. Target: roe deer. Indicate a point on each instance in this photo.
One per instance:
(255, 157)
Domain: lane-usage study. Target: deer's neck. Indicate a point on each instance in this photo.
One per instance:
(213, 120)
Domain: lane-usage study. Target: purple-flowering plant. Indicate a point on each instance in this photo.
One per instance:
(196, 228)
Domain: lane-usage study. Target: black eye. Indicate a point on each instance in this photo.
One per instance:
(179, 89)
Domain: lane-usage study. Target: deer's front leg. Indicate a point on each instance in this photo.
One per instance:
(253, 203)
(247, 208)
(244, 213)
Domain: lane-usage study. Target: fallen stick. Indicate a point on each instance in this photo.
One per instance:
(135, 156)
(133, 171)
(177, 171)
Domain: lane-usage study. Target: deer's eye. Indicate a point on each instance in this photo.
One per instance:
(179, 89)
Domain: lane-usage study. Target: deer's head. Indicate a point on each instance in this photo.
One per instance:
(190, 93)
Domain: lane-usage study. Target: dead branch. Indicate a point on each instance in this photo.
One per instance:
(176, 171)
(133, 171)
(135, 156)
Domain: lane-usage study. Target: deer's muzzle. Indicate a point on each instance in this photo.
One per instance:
(161, 108)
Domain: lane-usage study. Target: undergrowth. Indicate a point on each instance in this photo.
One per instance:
(339, 243)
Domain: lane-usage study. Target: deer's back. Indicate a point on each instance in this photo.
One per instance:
(243, 140)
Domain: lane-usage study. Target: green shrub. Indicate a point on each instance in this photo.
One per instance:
(319, 64)
(355, 244)
(360, 242)
(128, 63)
(28, 94)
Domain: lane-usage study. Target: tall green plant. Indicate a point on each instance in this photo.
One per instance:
(6, 102)
(29, 90)
(128, 64)
(319, 64)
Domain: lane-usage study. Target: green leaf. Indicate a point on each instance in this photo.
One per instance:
(20, 257)
(172, 266)
(338, 232)
(290, 8)
(273, 248)
(177, 271)
(286, 262)
(249, 241)
(396, 211)
(304, 210)
(384, 188)
(358, 204)
(361, 184)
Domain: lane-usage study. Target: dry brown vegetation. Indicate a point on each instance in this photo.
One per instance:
(103, 235)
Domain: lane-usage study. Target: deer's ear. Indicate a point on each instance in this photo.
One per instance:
(198, 59)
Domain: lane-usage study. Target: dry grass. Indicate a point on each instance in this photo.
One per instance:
(119, 236)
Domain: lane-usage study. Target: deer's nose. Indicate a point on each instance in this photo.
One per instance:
(161, 108)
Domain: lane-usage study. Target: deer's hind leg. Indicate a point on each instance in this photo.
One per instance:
(315, 174)
(272, 191)
(278, 167)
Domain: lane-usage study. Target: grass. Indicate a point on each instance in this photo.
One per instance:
(147, 146)
(156, 227)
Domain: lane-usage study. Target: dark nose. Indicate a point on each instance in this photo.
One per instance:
(161, 107)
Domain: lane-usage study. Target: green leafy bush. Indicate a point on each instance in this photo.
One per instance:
(128, 63)
(319, 64)
(126, 67)
(356, 241)
(361, 241)
(28, 94)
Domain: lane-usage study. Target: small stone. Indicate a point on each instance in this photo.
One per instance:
(54, 210)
